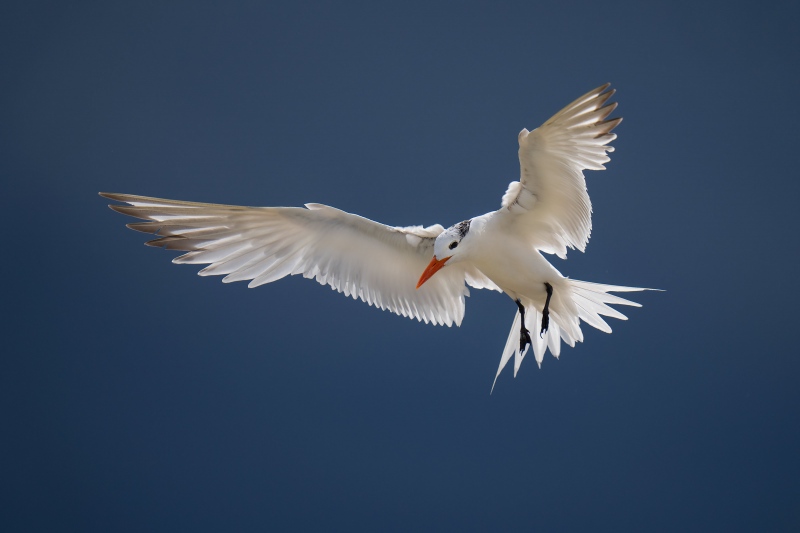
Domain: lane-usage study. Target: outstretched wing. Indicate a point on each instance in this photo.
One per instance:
(354, 255)
(550, 201)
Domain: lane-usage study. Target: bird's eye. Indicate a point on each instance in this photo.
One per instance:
(453, 244)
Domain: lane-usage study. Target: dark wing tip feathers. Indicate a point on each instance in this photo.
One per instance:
(607, 109)
(609, 125)
(123, 209)
(119, 197)
(145, 227)
(171, 242)
(129, 210)
(110, 196)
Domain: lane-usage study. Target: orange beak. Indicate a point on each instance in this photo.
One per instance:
(433, 267)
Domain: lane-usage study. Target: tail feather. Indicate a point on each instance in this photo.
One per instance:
(582, 301)
(553, 341)
(511, 348)
(604, 287)
(593, 318)
(533, 320)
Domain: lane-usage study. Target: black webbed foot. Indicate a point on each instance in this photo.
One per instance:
(546, 310)
(545, 324)
(524, 334)
(524, 338)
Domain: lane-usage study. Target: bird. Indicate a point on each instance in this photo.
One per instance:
(425, 272)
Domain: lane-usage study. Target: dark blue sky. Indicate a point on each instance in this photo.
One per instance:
(137, 396)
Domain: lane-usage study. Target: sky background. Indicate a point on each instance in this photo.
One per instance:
(137, 396)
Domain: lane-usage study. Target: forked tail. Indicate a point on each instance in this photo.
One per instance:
(573, 301)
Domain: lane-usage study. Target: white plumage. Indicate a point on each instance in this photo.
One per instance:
(547, 210)
(353, 255)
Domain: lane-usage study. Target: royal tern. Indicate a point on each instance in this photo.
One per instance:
(421, 272)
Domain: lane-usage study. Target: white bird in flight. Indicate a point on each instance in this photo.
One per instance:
(421, 272)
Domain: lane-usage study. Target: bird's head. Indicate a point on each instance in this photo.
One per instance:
(446, 249)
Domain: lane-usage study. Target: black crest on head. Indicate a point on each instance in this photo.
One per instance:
(462, 228)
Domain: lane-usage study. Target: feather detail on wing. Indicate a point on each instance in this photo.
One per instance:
(550, 200)
(477, 279)
(364, 259)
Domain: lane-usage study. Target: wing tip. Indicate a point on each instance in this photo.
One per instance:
(142, 227)
(116, 196)
(127, 210)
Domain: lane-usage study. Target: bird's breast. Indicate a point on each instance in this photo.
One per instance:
(513, 265)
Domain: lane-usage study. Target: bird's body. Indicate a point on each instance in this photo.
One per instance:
(499, 256)
(421, 272)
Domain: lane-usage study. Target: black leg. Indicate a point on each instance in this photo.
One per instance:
(546, 310)
(524, 334)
